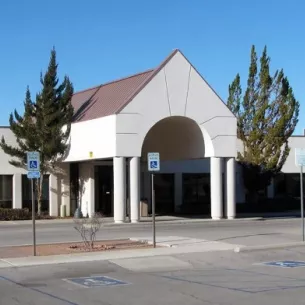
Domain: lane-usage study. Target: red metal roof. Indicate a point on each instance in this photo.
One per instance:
(106, 99)
(112, 97)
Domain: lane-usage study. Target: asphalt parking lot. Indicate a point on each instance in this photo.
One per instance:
(222, 277)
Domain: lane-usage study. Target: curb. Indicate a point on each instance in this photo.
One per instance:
(140, 223)
(60, 243)
(94, 256)
(269, 247)
(182, 221)
(151, 243)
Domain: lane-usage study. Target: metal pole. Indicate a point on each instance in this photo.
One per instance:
(302, 202)
(153, 206)
(33, 218)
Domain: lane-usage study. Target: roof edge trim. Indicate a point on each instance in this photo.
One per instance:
(143, 85)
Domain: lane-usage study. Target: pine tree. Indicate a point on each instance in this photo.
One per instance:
(267, 115)
(45, 125)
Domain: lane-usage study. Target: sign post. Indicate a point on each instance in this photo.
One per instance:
(33, 167)
(153, 159)
(300, 161)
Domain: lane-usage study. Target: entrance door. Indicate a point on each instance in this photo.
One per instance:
(104, 189)
(196, 194)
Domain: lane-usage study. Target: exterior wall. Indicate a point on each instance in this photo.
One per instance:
(5, 167)
(8, 169)
(59, 186)
(94, 136)
(59, 192)
(294, 142)
(177, 90)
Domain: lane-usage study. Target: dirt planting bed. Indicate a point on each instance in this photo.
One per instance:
(70, 248)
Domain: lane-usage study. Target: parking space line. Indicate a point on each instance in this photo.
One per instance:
(39, 291)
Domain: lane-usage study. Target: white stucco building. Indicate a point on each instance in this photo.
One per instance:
(171, 110)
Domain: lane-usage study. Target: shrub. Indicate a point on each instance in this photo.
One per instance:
(20, 214)
(15, 214)
(88, 228)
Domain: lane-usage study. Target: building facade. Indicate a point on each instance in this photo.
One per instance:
(171, 110)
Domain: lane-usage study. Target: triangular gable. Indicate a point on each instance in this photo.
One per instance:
(180, 89)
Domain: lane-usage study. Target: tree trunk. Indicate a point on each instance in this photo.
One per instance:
(39, 194)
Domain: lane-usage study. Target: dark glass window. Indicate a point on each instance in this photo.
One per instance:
(74, 186)
(27, 193)
(164, 185)
(196, 193)
(288, 185)
(6, 191)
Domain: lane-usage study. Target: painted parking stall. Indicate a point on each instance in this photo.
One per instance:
(285, 264)
(96, 281)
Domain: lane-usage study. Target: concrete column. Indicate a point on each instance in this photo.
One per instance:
(216, 188)
(86, 185)
(65, 188)
(178, 192)
(230, 188)
(134, 182)
(91, 192)
(53, 195)
(17, 191)
(119, 185)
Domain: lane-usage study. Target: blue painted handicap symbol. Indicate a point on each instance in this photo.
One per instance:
(33, 164)
(153, 164)
(286, 264)
(96, 281)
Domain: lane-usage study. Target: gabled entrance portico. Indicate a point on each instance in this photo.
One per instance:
(170, 109)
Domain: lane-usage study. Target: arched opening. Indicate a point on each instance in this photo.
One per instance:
(177, 139)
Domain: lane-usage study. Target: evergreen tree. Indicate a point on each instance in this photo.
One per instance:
(267, 115)
(45, 125)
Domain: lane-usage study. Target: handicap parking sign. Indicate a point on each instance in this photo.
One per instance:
(286, 264)
(153, 162)
(33, 164)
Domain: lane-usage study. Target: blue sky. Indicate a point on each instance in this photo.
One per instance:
(99, 40)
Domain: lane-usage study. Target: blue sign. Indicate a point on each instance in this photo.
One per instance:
(300, 156)
(33, 161)
(286, 264)
(33, 175)
(96, 281)
(153, 162)
(33, 164)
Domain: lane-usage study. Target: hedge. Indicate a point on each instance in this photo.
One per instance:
(19, 214)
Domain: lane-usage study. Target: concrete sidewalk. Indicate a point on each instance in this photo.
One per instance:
(170, 245)
(110, 255)
(108, 221)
